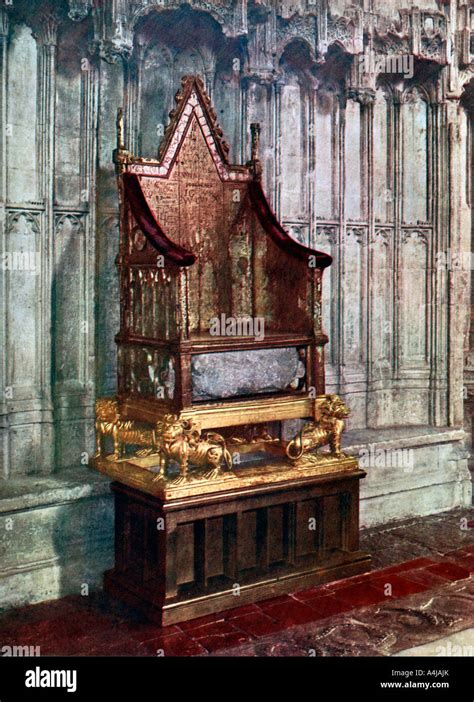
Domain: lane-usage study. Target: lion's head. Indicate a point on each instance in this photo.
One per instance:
(107, 410)
(169, 428)
(333, 408)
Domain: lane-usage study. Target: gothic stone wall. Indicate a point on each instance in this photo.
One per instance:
(365, 114)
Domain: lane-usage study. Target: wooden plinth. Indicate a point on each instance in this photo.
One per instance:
(184, 557)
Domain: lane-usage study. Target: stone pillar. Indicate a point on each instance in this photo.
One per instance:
(458, 296)
(312, 175)
(45, 28)
(260, 103)
(277, 142)
(397, 233)
(116, 35)
(133, 94)
(111, 97)
(4, 391)
(439, 397)
(74, 289)
(366, 97)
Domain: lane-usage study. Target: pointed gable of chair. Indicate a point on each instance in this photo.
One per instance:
(193, 111)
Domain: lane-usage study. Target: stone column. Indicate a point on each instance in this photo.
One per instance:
(133, 94)
(439, 310)
(397, 219)
(355, 235)
(111, 97)
(277, 143)
(4, 391)
(459, 223)
(260, 103)
(45, 28)
(74, 261)
(260, 98)
(312, 165)
(365, 96)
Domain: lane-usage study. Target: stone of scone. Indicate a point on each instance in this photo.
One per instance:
(237, 373)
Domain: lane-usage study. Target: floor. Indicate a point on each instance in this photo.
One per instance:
(421, 590)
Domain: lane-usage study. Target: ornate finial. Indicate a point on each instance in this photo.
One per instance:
(255, 132)
(121, 156)
(120, 136)
(254, 159)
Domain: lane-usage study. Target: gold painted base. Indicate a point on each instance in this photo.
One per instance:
(143, 474)
(180, 439)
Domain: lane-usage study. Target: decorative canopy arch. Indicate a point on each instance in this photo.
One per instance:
(222, 16)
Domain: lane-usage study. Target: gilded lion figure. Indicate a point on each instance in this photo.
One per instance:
(181, 440)
(108, 422)
(326, 431)
(171, 438)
